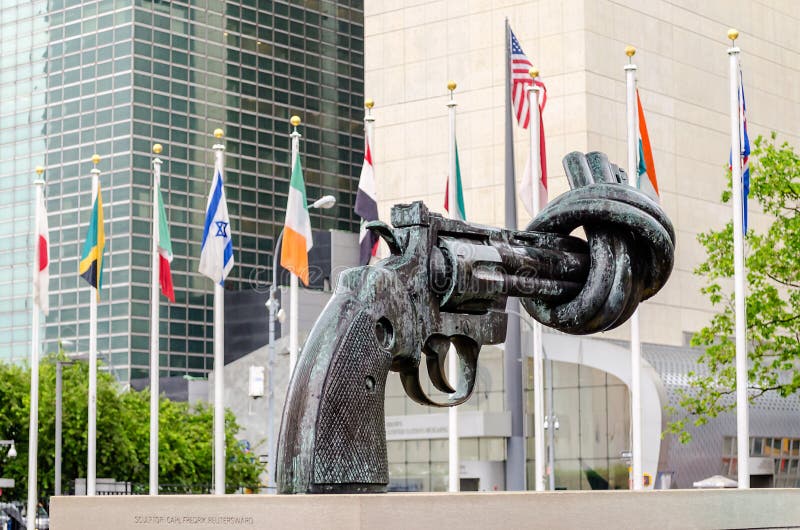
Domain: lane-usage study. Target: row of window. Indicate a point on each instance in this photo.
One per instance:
(267, 39)
(243, 204)
(284, 7)
(339, 148)
(764, 446)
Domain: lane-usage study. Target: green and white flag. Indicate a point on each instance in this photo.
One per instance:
(460, 212)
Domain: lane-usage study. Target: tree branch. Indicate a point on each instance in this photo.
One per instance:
(773, 321)
(763, 390)
(782, 282)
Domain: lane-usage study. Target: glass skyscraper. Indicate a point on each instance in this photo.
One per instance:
(113, 77)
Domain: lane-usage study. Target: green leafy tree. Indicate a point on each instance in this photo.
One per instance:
(14, 406)
(123, 434)
(772, 261)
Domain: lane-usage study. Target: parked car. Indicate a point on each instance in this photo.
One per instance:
(42, 519)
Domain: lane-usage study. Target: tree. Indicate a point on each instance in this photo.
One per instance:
(123, 431)
(772, 261)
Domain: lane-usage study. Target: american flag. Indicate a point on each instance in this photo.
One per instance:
(520, 80)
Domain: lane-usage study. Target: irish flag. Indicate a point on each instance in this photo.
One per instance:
(646, 169)
(297, 228)
(41, 277)
(164, 245)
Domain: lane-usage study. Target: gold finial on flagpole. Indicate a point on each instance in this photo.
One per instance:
(39, 181)
(157, 148)
(533, 72)
(219, 133)
(733, 34)
(368, 104)
(630, 51)
(451, 85)
(295, 120)
(95, 159)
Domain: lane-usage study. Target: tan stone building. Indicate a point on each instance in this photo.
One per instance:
(412, 49)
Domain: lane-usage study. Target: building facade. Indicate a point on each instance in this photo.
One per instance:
(114, 77)
(414, 48)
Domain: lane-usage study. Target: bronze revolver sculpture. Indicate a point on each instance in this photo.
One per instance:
(446, 282)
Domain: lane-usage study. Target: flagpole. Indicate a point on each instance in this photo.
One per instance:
(452, 366)
(91, 467)
(636, 352)
(272, 304)
(742, 412)
(366, 203)
(33, 432)
(512, 367)
(219, 355)
(294, 290)
(369, 123)
(538, 364)
(154, 328)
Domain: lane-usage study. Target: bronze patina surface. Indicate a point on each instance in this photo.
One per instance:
(446, 282)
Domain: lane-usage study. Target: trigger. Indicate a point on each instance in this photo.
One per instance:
(435, 350)
(468, 351)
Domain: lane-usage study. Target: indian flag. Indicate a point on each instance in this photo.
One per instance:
(297, 228)
(164, 245)
(646, 169)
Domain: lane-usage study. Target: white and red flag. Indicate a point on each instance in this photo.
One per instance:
(41, 279)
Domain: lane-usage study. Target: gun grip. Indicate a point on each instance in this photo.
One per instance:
(332, 436)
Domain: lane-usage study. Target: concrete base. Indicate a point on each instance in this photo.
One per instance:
(766, 508)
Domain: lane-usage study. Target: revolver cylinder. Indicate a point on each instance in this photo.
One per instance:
(471, 276)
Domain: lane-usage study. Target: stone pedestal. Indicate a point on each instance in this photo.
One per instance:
(771, 508)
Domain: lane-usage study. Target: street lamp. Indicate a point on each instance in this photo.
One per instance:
(554, 418)
(276, 313)
(63, 344)
(324, 202)
(12, 451)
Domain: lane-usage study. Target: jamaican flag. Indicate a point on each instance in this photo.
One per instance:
(91, 267)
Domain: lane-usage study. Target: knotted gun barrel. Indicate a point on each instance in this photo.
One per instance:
(446, 283)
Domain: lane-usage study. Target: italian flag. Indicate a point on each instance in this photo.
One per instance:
(164, 246)
(297, 228)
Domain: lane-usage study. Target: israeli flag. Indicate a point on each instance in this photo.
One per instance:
(216, 254)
